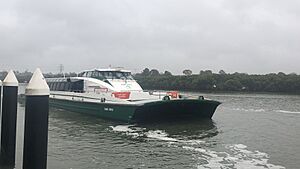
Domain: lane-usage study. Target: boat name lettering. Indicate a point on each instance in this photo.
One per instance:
(108, 109)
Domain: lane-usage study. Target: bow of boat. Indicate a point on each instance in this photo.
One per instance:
(166, 110)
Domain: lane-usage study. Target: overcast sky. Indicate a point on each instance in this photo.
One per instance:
(254, 36)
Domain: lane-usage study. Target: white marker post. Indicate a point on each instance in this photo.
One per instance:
(9, 118)
(36, 122)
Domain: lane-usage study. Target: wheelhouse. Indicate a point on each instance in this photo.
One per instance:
(103, 74)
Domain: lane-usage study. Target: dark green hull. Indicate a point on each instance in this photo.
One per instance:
(108, 111)
(148, 112)
(176, 110)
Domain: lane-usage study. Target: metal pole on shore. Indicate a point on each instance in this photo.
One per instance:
(36, 122)
(9, 118)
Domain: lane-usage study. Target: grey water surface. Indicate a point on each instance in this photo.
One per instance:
(247, 131)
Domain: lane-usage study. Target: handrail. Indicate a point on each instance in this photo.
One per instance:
(83, 97)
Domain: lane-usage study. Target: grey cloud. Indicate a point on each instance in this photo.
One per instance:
(245, 36)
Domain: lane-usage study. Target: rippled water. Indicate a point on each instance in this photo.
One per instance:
(247, 131)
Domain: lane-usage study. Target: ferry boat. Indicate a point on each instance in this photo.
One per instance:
(114, 94)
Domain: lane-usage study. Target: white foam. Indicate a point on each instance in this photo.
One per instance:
(193, 142)
(288, 112)
(160, 135)
(163, 136)
(241, 146)
(263, 110)
(239, 157)
(235, 156)
(250, 110)
(126, 130)
(122, 128)
(132, 130)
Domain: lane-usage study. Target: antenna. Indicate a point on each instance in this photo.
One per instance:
(61, 70)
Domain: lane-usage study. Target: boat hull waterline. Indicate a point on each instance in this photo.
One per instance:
(163, 110)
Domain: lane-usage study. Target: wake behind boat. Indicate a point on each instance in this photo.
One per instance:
(114, 94)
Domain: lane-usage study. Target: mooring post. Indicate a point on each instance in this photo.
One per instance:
(0, 104)
(36, 122)
(0, 112)
(9, 118)
(0, 98)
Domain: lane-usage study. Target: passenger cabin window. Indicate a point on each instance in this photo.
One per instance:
(94, 74)
(83, 74)
(66, 85)
(89, 74)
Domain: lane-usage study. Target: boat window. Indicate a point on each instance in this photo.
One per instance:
(94, 74)
(61, 86)
(83, 74)
(89, 74)
(114, 75)
(128, 75)
(55, 86)
(105, 74)
(51, 85)
(98, 75)
(119, 75)
(67, 86)
(77, 86)
(108, 75)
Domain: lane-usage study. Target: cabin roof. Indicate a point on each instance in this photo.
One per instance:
(109, 70)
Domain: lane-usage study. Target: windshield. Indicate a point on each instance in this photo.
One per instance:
(114, 75)
(107, 75)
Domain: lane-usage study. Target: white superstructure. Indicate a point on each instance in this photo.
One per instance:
(116, 80)
(117, 83)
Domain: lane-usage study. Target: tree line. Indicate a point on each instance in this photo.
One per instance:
(208, 81)
(205, 80)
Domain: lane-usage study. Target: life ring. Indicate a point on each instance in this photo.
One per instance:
(167, 98)
(201, 97)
